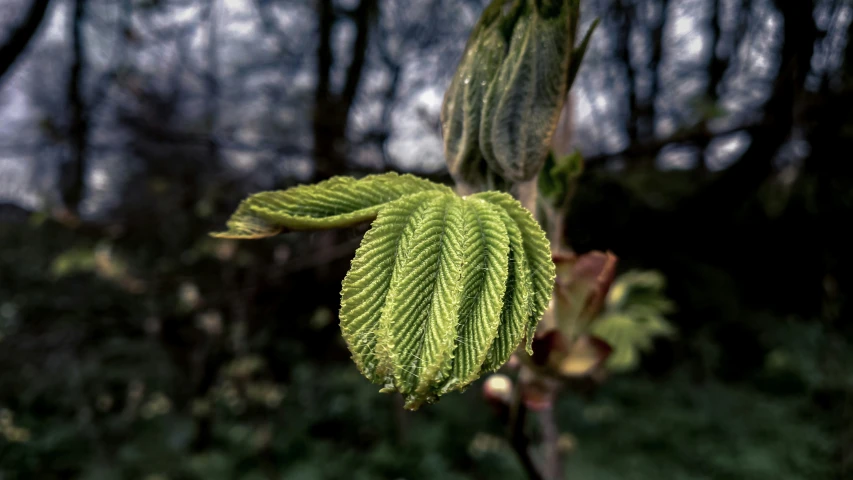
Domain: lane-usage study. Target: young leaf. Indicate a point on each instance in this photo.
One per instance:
(441, 287)
(337, 202)
(635, 316)
(485, 282)
(422, 308)
(366, 285)
(537, 251)
(558, 176)
(516, 301)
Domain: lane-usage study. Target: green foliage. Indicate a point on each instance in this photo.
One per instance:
(440, 287)
(645, 430)
(71, 261)
(634, 316)
(77, 348)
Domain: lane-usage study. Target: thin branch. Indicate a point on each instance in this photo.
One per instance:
(518, 438)
(22, 35)
(365, 12)
(326, 16)
(213, 80)
(550, 442)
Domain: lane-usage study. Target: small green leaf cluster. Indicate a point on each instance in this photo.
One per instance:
(442, 287)
(635, 314)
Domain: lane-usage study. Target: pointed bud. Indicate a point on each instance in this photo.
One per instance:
(463, 102)
(523, 103)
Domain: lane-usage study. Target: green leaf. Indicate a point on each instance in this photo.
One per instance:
(337, 202)
(485, 280)
(516, 302)
(422, 310)
(366, 285)
(635, 316)
(538, 256)
(440, 289)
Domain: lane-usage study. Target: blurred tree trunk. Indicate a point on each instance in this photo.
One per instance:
(331, 110)
(21, 35)
(73, 171)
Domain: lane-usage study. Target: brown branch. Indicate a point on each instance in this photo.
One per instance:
(518, 438)
(22, 35)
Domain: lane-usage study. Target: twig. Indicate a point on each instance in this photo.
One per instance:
(517, 437)
(22, 35)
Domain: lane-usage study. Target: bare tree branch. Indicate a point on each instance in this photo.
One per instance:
(21, 36)
(363, 15)
(518, 437)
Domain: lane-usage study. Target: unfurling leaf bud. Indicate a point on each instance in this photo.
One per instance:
(463, 102)
(523, 102)
(502, 107)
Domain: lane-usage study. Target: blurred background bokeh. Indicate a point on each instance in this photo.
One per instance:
(717, 134)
